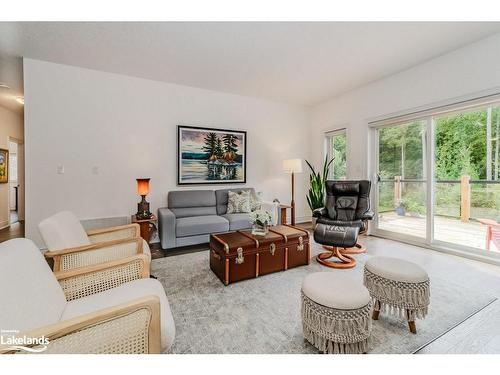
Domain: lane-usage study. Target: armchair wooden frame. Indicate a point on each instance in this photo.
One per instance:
(112, 318)
(87, 255)
(132, 327)
(128, 231)
(80, 282)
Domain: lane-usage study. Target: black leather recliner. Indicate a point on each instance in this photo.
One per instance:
(347, 204)
(345, 215)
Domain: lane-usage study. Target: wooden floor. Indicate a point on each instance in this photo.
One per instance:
(16, 230)
(445, 229)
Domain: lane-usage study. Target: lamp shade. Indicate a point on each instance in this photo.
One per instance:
(143, 186)
(292, 165)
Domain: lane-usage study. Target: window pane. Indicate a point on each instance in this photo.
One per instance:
(402, 189)
(466, 175)
(338, 146)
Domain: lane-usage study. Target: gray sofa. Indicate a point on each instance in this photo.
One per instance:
(192, 215)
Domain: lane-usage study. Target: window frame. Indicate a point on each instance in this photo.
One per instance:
(329, 136)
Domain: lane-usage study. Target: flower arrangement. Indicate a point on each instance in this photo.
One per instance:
(260, 219)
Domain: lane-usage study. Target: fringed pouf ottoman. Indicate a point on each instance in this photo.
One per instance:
(398, 287)
(336, 313)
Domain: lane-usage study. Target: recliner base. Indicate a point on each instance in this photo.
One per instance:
(359, 248)
(345, 261)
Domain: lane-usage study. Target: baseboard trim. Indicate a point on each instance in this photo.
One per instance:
(303, 219)
(4, 224)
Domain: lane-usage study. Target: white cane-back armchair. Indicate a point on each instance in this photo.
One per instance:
(111, 307)
(71, 246)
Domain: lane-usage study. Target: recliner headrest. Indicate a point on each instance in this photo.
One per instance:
(343, 189)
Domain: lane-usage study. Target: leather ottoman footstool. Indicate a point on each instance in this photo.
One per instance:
(336, 313)
(336, 238)
(398, 287)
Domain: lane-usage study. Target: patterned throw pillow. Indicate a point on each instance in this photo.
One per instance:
(255, 201)
(238, 202)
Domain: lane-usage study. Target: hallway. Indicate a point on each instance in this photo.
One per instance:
(16, 230)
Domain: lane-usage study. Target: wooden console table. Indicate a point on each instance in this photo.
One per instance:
(148, 226)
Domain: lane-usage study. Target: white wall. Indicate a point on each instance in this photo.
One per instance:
(463, 73)
(11, 125)
(126, 126)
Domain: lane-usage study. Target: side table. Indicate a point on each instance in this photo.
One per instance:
(148, 226)
(283, 208)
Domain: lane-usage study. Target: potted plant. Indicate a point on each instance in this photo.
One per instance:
(317, 180)
(400, 208)
(260, 219)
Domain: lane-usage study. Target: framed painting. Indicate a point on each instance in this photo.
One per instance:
(210, 156)
(4, 166)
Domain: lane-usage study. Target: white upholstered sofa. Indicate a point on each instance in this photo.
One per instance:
(111, 307)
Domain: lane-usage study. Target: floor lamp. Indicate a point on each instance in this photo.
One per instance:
(292, 166)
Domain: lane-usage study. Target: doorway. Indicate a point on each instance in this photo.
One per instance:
(16, 181)
(13, 183)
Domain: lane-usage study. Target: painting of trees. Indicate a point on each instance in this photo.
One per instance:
(230, 145)
(210, 144)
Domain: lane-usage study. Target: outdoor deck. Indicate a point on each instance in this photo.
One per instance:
(446, 229)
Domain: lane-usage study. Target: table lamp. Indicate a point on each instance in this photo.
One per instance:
(143, 206)
(292, 166)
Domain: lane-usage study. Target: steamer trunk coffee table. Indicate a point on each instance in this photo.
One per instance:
(239, 255)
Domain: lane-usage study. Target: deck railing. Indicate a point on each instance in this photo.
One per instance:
(465, 183)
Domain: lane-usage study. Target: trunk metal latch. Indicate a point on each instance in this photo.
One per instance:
(240, 258)
(272, 248)
(300, 246)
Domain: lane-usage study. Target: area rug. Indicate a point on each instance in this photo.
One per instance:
(263, 315)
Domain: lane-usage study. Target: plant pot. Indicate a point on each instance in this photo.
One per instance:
(313, 220)
(400, 211)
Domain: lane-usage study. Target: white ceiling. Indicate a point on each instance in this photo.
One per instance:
(300, 63)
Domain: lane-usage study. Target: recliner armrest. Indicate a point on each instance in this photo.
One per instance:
(166, 228)
(318, 212)
(368, 215)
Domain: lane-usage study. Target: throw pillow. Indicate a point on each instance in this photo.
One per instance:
(238, 202)
(255, 201)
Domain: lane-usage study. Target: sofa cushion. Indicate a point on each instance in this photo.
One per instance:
(126, 293)
(238, 221)
(193, 211)
(63, 230)
(238, 202)
(194, 225)
(222, 197)
(30, 296)
(191, 198)
(255, 200)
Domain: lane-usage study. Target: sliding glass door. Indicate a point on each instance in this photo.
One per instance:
(438, 179)
(467, 186)
(402, 179)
